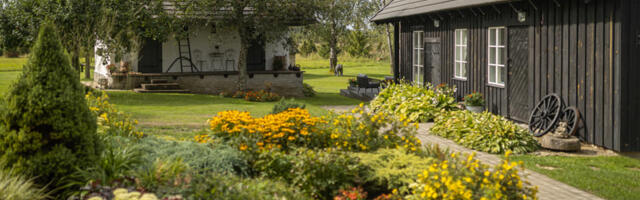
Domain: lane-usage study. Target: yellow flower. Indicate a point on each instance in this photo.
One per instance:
(291, 138)
(243, 147)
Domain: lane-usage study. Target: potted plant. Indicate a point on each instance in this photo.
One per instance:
(474, 102)
(112, 68)
(352, 82)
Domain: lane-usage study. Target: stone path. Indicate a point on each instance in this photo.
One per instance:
(547, 187)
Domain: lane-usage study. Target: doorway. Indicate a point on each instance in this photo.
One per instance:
(432, 62)
(518, 79)
(150, 57)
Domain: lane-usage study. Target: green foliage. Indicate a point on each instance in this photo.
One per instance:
(358, 44)
(163, 175)
(285, 104)
(111, 121)
(201, 158)
(474, 99)
(484, 132)
(318, 173)
(324, 51)
(415, 103)
(308, 91)
(48, 128)
(218, 186)
(394, 168)
(307, 47)
(15, 186)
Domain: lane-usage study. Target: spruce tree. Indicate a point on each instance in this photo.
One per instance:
(46, 128)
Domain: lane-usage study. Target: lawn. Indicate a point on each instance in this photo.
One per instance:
(610, 177)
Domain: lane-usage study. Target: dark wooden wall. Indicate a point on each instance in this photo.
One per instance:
(629, 120)
(575, 50)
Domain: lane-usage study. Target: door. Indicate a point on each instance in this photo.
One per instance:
(518, 79)
(432, 60)
(256, 56)
(150, 57)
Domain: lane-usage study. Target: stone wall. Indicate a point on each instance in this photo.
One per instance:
(285, 83)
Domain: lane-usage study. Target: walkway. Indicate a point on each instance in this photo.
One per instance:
(547, 187)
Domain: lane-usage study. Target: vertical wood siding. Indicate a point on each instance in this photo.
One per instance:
(574, 50)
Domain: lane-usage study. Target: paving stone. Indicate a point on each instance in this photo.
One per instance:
(547, 188)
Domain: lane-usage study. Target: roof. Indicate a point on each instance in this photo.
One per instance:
(403, 8)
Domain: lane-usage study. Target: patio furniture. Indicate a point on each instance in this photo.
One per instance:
(365, 83)
(197, 57)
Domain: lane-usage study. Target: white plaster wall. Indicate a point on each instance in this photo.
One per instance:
(203, 41)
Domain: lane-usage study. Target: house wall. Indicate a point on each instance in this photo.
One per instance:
(204, 41)
(630, 54)
(574, 51)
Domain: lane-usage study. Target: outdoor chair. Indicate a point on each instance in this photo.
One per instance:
(365, 83)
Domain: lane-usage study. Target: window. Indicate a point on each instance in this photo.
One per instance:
(418, 60)
(497, 52)
(460, 59)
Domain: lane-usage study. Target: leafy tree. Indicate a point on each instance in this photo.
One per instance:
(333, 17)
(252, 20)
(358, 44)
(308, 47)
(46, 129)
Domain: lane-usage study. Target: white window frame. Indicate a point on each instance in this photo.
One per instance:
(461, 48)
(418, 59)
(499, 49)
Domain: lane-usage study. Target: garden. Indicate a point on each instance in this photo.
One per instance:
(84, 147)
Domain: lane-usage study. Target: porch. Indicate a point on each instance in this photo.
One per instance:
(284, 83)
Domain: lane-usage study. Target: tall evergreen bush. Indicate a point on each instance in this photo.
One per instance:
(46, 128)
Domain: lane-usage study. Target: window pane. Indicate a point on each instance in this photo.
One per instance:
(492, 55)
(500, 75)
(464, 37)
(463, 69)
(456, 69)
(464, 53)
(492, 74)
(492, 36)
(501, 36)
(457, 37)
(415, 39)
(500, 54)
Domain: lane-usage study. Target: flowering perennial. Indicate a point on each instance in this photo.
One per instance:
(468, 179)
(110, 120)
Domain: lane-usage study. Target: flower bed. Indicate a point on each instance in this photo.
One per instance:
(484, 132)
(255, 96)
(111, 121)
(415, 103)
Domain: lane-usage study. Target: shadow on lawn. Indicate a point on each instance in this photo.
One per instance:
(321, 76)
(136, 99)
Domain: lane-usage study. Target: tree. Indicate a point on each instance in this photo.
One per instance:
(46, 128)
(252, 20)
(333, 17)
(358, 43)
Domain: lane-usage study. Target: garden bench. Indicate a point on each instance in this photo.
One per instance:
(365, 83)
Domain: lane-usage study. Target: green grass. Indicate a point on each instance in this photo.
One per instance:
(12, 64)
(610, 177)
(317, 72)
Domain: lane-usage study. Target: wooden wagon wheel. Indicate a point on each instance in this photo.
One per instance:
(571, 116)
(545, 115)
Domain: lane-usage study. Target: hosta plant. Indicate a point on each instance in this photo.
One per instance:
(484, 132)
(415, 103)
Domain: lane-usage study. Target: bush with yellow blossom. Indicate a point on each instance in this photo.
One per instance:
(415, 103)
(468, 179)
(110, 120)
(365, 131)
(291, 128)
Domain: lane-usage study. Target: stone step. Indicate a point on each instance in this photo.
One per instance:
(154, 81)
(161, 86)
(140, 90)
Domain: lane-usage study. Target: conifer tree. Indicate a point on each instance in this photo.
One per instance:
(46, 128)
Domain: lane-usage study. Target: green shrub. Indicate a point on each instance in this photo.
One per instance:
(14, 186)
(219, 186)
(307, 47)
(484, 132)
(414, 103)
(308, 91)
(202, 158)
(466, 178)
(319, 173)
(48, 128)
(394, 168)
(164, 176)
(111, 121)
(285, 104)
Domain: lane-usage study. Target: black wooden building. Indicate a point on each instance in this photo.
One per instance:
(516, 52)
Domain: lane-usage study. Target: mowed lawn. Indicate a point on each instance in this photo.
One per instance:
(193, 110)
(610, 177)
